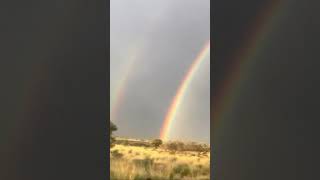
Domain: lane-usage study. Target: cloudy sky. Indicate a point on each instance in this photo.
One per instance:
(153, 43)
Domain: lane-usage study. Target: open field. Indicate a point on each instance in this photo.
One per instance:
(139, 160)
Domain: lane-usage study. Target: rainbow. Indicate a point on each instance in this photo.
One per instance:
(119, 92)
(228, 91)
(119, 89)
(178, 98)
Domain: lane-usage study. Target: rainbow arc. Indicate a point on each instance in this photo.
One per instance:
(178, 98)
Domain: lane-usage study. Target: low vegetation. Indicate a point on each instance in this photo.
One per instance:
(113, 128)
(156, 160)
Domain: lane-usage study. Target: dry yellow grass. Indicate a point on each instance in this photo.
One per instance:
(141, 163)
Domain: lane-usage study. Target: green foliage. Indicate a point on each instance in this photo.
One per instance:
(113, 128)
(156, 143)
(116, 154)
(174, 146)
(191, 146)
(182, 169)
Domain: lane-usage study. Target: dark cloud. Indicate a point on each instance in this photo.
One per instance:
(172, 33)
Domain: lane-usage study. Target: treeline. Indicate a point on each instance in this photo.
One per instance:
(171, 145)
(157, 143)
(186, 146)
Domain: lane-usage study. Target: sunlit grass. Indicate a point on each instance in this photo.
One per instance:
(140, 163)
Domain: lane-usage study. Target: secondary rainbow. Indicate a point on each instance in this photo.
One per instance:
(228, 92)
(178, 98)
(120, 88)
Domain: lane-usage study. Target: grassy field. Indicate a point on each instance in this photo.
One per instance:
(138, 161)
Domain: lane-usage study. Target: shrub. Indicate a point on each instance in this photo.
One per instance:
(125, 142)
(182, 169)
(156, 143)
(116, 154)
(113, 128)
(174, 146)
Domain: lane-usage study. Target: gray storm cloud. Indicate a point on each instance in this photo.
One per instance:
(167, 35)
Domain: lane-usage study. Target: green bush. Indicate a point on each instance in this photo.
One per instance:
(116, 154)
(156, 143)
(113, 128)
(182, 169)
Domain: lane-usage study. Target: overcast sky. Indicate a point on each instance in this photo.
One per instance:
(152, 45)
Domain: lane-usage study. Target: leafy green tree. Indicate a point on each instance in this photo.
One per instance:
(156, 143)
(113, 128)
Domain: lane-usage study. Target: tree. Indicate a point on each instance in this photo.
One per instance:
(171, 146)
(156, 143)
(113, 128)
